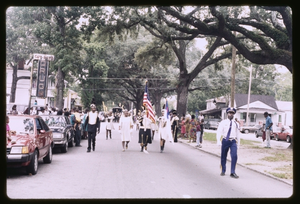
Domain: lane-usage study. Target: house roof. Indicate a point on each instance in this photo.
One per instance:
(285, 105)
(242, 99)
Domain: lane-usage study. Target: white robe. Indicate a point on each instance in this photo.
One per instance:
(165, 132)
(109, 125)
(125, 123)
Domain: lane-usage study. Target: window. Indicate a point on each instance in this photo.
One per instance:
(279, 119)
(45, 127)
(252, 117)
(38, 125)
(243, 116)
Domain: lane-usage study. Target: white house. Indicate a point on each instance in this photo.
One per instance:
(216, 108)
(287, 108)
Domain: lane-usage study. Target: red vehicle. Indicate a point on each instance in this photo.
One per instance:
(283, 133)
(31, 140)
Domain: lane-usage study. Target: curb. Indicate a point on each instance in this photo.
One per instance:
(263, 173)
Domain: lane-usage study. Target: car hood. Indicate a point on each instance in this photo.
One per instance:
(57, 129)
(20, 140)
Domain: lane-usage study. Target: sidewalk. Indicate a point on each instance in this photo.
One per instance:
(251, 157)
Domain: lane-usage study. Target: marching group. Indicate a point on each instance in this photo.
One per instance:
(167, 126)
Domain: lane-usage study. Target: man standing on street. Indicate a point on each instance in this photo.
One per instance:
(268, 128)
(228, 135)
(93, 122)
(77, 123)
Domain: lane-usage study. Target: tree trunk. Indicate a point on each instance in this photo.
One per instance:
(13, 89)
(139, 101)
(182, 97)
(59, 89)
(156, 100)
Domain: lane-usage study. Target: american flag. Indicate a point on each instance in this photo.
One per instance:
(148, 105)
(167, 109)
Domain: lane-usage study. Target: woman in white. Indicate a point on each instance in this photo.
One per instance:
(125, 126)
(164, 130)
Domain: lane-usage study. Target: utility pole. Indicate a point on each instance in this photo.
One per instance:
(233, 76)
(249, 91)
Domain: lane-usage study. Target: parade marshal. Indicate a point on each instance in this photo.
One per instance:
(228, 134)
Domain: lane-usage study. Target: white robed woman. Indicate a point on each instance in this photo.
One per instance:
(125, 127)
(164, 130)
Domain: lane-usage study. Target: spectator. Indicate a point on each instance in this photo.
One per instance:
(193, 129)
(53, 112)
(200, 117)
(182, 124)
(268, 128)
(198, 133)
(14, 110)
(8, 135)
(187, 127)
(77, 122)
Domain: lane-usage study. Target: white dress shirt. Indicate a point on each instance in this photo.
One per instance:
(223, 130)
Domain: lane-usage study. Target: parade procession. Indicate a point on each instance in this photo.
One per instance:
(149, 101)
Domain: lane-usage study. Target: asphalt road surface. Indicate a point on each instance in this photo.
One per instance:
(179, 172)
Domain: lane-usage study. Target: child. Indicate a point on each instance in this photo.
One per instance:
(198, 133)
(8, 135)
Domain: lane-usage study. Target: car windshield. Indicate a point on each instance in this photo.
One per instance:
(53, 121)
(21, 125)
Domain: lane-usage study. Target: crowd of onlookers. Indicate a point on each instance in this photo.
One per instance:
(192, 128)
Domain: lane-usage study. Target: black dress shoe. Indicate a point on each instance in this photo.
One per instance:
(234, 175)
(93, 148)
(222, 174)
(88, 150)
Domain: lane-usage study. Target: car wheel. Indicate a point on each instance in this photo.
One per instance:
(256, 134)
(71, 143)
(48, 159)
(276, 137)
(64, 149)
(246, 131)
(288, 139)
(32, 168)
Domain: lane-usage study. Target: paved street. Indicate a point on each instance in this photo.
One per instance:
(179, 172)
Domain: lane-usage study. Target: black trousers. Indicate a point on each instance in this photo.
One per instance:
(77, 138)
(91, 139)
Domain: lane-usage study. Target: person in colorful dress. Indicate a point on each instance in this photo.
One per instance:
(193, 129)
(182, 131)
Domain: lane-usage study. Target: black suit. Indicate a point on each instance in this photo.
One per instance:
(92, 129)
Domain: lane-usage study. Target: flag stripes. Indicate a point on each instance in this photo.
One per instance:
(148, 105)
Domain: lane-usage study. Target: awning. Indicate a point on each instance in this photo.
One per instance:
(211, 111)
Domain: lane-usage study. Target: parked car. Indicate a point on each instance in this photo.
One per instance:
(247, 129)
(63, 134)
(31, 140)
(259, 132)
(283, 133)
(211, 124)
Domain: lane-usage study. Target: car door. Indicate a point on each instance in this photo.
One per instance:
(41, 138)
(48, 134)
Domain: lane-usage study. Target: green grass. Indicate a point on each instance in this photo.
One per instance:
(282, 175)
(254, 164)
(277, 157)
(208, 136)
